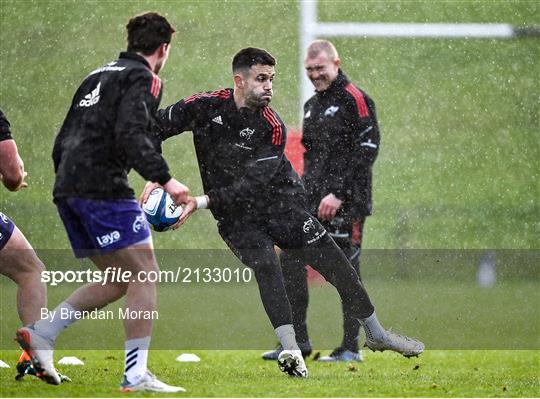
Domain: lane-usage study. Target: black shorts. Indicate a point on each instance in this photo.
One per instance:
(304, 240)
(294, 229)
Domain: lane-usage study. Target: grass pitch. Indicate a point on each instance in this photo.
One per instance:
(244, 374)
(458, 168)
(443, 314)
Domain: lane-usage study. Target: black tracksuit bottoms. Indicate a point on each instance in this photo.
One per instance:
(300, 235)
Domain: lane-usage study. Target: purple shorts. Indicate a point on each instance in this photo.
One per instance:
(97, 227)
(6, 229)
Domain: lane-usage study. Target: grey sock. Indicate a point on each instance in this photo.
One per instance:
(56, 321)
(372, 327)
(286, 337)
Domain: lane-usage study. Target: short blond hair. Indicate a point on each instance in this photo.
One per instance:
(318, 46)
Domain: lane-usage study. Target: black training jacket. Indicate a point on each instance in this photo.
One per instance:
(5, 129)
(341, 137)
(108, 131)
(240, 153)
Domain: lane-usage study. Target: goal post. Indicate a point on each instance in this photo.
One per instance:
(311, 29)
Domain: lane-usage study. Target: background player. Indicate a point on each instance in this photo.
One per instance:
(105, 134)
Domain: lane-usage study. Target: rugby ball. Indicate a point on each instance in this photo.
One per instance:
(161, 211)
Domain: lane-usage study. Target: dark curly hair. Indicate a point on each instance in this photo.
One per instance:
(146, 32)
(250, 56)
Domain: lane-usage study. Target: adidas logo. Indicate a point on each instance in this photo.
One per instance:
(91, 98)
(218, 120)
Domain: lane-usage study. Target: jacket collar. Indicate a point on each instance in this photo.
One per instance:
(340, 82)
(135, 57)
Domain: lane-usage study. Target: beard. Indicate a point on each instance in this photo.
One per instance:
(321, 84)
(256, 101)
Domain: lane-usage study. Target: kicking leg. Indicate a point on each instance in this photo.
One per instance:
(325, 256)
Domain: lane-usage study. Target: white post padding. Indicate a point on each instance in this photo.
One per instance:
(501, 31)
(308, 22)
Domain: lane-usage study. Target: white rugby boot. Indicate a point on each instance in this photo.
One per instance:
(305, 347)
(292, 363)
(150, 383)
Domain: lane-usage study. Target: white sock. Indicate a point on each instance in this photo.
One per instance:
(286, 337)
(61, 317)
(372, 327)
(136, 359)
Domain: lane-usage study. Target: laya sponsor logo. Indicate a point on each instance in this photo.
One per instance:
(107, 239)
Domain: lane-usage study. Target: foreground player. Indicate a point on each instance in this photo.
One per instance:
(18, 261)
(258, 200)
(104, 135)
(341, 138)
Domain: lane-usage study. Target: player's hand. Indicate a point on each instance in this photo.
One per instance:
(23, 183)
(189, 208)
(177, 191)
(12, 187)
(148, 188)
(328, 207)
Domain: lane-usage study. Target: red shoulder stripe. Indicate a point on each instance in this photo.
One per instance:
(223, 94)
(359, 98)
(156, 85)
(277, 131)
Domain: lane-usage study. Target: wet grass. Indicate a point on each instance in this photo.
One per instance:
(244, 374)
